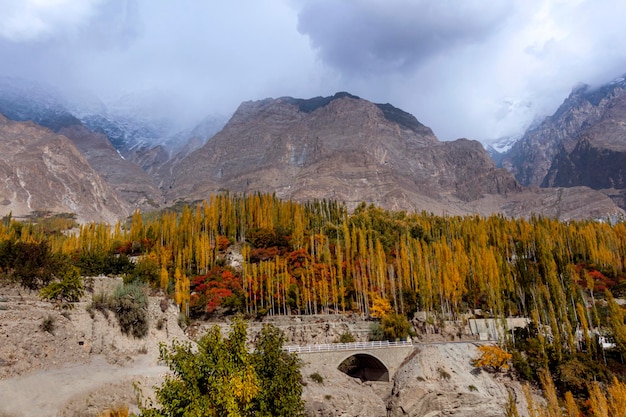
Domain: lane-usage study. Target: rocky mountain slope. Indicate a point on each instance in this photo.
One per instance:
(45, 171)
(23, 101)
(340, 147)
(346, 148)
(582, 144)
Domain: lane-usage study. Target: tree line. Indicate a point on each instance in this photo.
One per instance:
(259, 255)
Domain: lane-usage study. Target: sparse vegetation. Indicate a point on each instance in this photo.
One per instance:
(443, 374)
(472, 388)
(347, 337)
(130, 304)
(316, 377)
(48, 324)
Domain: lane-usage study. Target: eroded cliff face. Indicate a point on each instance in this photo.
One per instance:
(45, 171)
(134, 185)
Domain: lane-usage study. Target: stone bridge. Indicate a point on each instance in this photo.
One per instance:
(369, 361)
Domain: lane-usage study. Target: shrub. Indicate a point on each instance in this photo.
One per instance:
(130, 304)
(121, 411)
(493, 357)
(67, 290)
(101, 302)
(317, 377)
(347, 337)
(376, 333)
(472, 388)
(160, 324)
(183, 321)
(395, 326)
(48, 324)
(443, 374)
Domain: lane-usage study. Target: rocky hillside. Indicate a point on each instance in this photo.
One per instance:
(24, 101)
(44, 171)
(133, 185)
(346, 148)
(96, 365)
(340, 147)
(582, 144)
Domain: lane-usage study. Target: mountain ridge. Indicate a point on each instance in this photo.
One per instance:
(338, 147)
(582, 144)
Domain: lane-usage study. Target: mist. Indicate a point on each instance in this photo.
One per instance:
(477, 69)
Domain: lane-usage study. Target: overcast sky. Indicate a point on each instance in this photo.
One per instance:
(480, 69)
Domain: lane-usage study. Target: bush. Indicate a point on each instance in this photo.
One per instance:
(376, 333)
(101, 302)
(347, 337)
(121, 411)
(317, 377)
(395, 326)
(67, 290)
(443, 374)
(48, 325)
(492, 357)
(130, 305)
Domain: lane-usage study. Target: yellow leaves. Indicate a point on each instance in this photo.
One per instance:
(617, 398)
(380, 306)
(611, 404)
(164, 278)
(492, 356)
(244, 386)
(597, 401)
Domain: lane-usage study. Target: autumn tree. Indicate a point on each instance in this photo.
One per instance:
(492, 356)
(222, 378)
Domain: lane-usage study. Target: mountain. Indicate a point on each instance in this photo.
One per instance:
(44, 171)
(582, 144)
(339, 147)
(346, 148)
(24, 101)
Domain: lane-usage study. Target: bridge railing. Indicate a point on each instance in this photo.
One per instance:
(329, 347)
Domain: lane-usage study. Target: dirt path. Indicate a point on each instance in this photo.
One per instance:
(45, 393)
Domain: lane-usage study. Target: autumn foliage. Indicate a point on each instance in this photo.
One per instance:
(492, 356)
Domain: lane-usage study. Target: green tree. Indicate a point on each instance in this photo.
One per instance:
(67, 290)
(221, 378)
(395, 326)
(279, 376)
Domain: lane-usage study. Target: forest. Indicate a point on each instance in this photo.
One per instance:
(257, 255)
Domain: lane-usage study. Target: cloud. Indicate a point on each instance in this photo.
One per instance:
(371, 37)
(30, 20)
(479, 69)
(466, 68)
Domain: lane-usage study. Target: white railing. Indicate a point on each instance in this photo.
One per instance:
(329, 347)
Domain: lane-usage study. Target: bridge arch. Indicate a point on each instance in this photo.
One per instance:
(364, 366)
